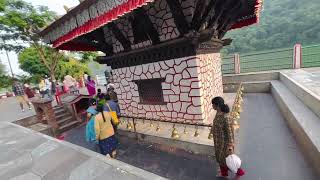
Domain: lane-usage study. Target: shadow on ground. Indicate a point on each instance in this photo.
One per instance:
(180, 165)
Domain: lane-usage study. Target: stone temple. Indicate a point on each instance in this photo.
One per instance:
(164, 54)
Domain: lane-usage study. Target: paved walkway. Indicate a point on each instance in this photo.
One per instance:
(10, 110)
(267, 147)
(26, 155)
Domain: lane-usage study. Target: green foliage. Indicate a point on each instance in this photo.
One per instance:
(5, 81)
(2, 69)
(30, 62)
(19, 23)
(282, 24)
(74, 68)
(88, 56)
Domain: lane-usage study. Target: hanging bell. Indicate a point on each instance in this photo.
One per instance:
(135, 124)
(196, 133)
(210, 134)
(237, 116)
(151, 124)
(174, 133)
(240, 109)
(158, 128)
(129, 126)
(185, 130)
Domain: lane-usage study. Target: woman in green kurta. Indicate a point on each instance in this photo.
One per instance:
(222, 134)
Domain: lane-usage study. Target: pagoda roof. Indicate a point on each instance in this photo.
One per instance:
(79, 28)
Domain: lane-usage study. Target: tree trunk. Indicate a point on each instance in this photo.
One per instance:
(52, 75)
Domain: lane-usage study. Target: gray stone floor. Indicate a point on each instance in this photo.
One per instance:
(266, 146)
(10, 110)
(179, 165)
(26, 155)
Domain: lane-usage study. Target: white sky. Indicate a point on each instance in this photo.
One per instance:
(54, 5)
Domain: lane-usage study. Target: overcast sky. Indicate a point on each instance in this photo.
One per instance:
(54, 5)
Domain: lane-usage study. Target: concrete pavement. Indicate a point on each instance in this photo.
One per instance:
(26, 155)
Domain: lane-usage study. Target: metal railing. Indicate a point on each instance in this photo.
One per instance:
(311, 56)
(273, 59)
(260, 61)
(227, 65)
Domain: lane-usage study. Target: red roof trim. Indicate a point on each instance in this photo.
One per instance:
(100, 21)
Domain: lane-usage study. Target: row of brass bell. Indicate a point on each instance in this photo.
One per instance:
(174, 133)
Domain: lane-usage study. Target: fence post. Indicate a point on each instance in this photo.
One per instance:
(236, 60)
(297, 56)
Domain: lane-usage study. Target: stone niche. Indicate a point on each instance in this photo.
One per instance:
(187, 86)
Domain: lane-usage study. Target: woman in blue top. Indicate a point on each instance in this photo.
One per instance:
(90, 130)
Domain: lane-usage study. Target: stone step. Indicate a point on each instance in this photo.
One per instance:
(249, 87)
(62, 115)
(68, 126)
(58, 107)
(303, 85)
(60, 112)
(65, 120)
(246, 77)
(303, 122)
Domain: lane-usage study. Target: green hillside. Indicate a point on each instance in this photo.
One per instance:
(282, 24)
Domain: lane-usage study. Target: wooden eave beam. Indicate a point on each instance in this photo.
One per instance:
(152, 32)
(98, 35)
(178, 16)
(126, 44)
(205, 17)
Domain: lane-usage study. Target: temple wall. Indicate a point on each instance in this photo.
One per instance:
(210, 78)
(188, 87)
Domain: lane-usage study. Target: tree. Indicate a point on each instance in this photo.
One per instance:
(2, 69)
(74, 68)
(19, 24)
(88, 56)
(29, 61)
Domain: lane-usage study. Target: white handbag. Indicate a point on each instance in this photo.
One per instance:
(233, 162)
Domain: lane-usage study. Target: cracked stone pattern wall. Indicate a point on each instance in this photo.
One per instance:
(190, 84)
(210, 78)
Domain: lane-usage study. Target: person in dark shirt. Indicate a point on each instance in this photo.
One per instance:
(100, 97)
(18, 90)
(29, 92)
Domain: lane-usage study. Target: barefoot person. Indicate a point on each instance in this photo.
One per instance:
(105, 132)
(18, 90)
(223, 136)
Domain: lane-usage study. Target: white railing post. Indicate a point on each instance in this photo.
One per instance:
(236, 59)
(297, 56)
